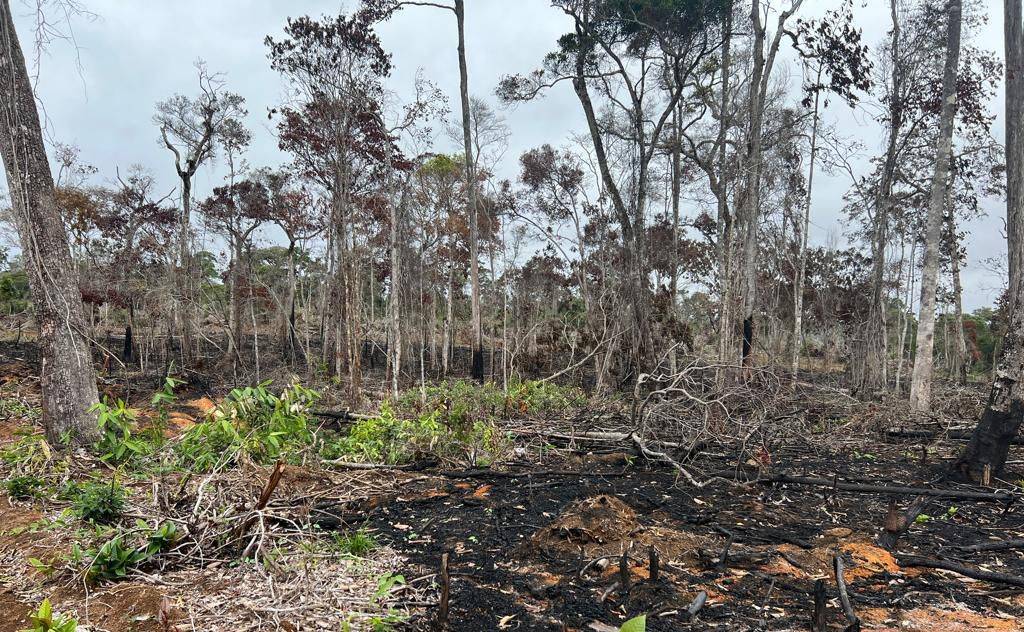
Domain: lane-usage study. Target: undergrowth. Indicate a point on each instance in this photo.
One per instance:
(252, 422)
(453, 421)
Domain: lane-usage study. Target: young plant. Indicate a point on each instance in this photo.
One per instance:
(44, 620)
(114, 559)
(356, 544)
(24, 487)
(116, 444)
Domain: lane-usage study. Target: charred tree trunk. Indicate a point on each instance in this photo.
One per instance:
(1002, 418)
(68, 378)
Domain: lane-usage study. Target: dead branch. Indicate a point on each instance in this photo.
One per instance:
(661, 456)
(844, 596)
(961, 569)
(889, 489)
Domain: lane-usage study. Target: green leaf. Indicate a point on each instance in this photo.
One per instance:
(636, 624)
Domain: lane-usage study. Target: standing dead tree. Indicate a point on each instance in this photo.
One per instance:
(189, 129)
(1001, 420)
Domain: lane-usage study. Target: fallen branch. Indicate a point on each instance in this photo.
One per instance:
(661, 456)
(888, 489)
(1001, 545)
(844, 597)
(960, 569)
(958, 435)
(697, 604)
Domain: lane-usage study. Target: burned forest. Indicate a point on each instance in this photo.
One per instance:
(472, 315)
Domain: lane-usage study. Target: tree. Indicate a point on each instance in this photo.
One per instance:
(613, 47)
(190, 129)
(458, 7)
(835, 62)
(750, 205)
(1001, 420)
(68, 379)
(333, 129)
(921, 380)
(236, 211)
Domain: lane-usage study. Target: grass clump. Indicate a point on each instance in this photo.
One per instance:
(253, 422)
(356, 543)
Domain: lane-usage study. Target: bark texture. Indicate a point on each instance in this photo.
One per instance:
(68, 379)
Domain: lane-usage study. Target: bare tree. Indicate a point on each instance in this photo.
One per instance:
(189, 128)
(68, 379)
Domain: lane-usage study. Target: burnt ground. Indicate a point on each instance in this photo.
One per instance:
(518, 545)
(537, 544)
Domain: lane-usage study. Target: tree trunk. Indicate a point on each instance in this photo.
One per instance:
(724, 216)
(1002, 418)
(801, 274)
(921, 380)
(471, 201)
(68, 378)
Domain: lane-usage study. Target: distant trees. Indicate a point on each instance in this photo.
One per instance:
(676, 225)
(68, 379)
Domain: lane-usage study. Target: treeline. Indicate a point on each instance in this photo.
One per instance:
(676, 225)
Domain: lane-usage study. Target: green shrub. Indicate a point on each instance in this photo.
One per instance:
(393, 440)
(98, 502)
(44, 620)
(24, 487)
(251, 421)
(115, 558)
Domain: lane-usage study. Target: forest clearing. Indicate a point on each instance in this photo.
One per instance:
(561, 315)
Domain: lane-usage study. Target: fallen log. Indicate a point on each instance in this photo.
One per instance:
(961, 569)
(1001, 545)
(959, 435)
(897, 490)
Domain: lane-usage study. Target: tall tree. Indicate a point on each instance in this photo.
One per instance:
(1001, 420)
(612, 49)
(835, 62)
(67, 379)
(458, 7)
(921, 380)
(765, 50)
(190, 128)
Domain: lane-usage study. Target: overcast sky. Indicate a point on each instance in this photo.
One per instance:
(136, 53)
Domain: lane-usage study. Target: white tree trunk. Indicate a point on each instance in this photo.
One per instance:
(921, 380)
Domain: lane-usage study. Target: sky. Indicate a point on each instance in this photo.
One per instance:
(99, 91)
